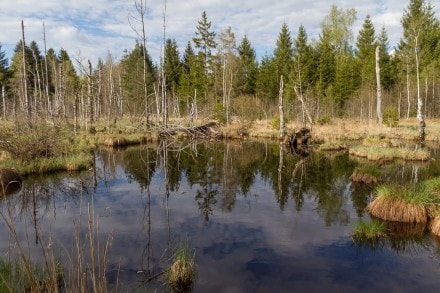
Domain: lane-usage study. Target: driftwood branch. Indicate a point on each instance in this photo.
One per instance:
(210, 130)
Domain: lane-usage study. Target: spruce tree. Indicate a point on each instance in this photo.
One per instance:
(304, 63)
(366, 46)
(172, 65)
(3, 67)
(283, 53)
(205, 40)
(267, 81)
(248, 67)
(132, 71)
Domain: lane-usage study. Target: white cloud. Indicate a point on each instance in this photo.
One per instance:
(97, 27)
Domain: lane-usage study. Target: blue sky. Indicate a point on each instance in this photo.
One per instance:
(92, 29)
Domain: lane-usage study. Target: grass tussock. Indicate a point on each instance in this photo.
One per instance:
(332, 146)
(182, 272)
(411, 203)
(369, 230)
(434, 225)
(368, 174)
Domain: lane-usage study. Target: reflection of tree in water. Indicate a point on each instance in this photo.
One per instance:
(206, 200)
(332, 204)
(222, 171)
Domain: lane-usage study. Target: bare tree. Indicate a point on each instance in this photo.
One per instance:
(46, 75)
(141, 8)
(164, 81)
(379, 90)
(89, 94)
(25, 89)
(281, 107)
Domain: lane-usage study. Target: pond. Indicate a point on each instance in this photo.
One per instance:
(256, 218)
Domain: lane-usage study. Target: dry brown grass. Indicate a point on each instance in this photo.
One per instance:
(398, 210)
(434, 225)
(400, 229)
(364, 178)
(182, 272)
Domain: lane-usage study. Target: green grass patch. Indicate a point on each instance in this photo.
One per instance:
(74, 162)
(369, 230)
(370, 169)
(332, 146)
(425, 192)
(13, 278)
(377, 153)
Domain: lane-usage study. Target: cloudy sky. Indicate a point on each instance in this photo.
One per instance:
(89, 29)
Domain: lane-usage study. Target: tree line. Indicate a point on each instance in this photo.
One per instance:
(214, 77)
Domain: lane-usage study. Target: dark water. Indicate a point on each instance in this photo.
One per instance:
(257, 219)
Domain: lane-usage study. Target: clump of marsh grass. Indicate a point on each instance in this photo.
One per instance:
(411, 203)
(332, 146)
(375, 153)
(369, 230)
(182, 272)
(367, 173)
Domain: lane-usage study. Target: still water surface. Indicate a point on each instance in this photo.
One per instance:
(257, 218)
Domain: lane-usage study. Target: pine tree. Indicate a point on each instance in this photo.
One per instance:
(326, 65)
(304, 63)
(3, 65)
(172, 65)
(3, 68)
(283, 53)
(387, 64)
(205, 40)
(4, 76)
(267, 81)
(132, 69)
(248, 68)
(366, 46)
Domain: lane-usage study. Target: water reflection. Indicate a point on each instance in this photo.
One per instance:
(258, 217)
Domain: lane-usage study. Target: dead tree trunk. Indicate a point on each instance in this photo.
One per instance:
(4, 101)
(46, 75)
(379, 90)
(25, 90)
(281, 107)
(89, 94)
(304, 108)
